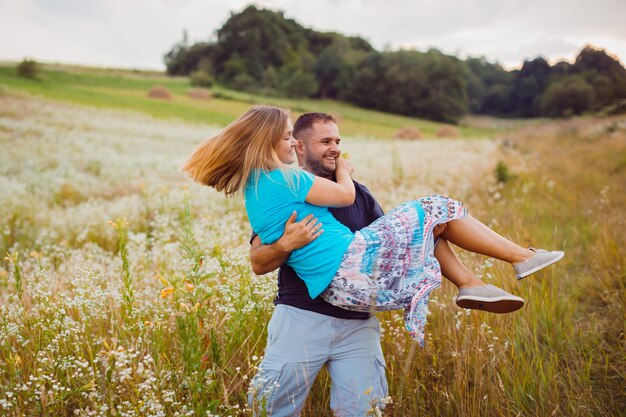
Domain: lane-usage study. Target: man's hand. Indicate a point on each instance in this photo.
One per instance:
(299, 234)
(266, 258)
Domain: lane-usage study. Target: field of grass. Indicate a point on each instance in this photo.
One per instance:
(125, 89)
(126, 290)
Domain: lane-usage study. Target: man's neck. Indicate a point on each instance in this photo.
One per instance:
(319, 174)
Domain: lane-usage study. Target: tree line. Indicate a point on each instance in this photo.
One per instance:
(259, 50)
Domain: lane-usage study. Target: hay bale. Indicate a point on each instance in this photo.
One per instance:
(160, 92)
(409, 133)
(200, 93)
(448, 131)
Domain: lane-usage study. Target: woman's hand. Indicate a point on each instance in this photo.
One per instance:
(341, 193)
(345, 165)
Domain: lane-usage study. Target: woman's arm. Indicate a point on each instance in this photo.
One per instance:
(327, 193)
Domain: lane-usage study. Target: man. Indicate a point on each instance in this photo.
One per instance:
(306, 334)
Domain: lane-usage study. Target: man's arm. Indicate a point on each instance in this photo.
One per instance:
(266, 258)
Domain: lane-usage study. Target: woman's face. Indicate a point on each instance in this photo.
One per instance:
(286, 147)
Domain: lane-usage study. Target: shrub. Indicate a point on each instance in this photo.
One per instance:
(408, 132)
(242, 82)
(160, 92)
(28, 69)
(200, 93)
(567, 97)
(502, 172)
(201, 79)
(300, 84)
(448, 131)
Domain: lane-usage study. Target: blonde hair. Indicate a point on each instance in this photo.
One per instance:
(245, 147)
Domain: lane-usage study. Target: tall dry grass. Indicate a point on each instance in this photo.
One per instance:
(563, 353)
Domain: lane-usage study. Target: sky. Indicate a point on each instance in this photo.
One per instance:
(136, 33)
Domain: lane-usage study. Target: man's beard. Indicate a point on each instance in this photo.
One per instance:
(317, 167)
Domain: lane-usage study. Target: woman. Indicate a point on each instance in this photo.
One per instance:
(387, 265)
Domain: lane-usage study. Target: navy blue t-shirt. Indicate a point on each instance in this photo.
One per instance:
(292, 290)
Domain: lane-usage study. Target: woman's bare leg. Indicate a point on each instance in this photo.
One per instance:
(473, 292)
(453, 269)
(470, 234)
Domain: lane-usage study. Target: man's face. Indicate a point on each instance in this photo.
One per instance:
(319, 148)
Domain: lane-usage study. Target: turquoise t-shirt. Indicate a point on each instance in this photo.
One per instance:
(270, 203)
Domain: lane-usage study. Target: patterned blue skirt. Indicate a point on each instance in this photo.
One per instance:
(391, 265)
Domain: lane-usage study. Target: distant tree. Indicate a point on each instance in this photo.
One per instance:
(183, 59)
(201, 78)
(296, 79)
(489, 87)
(590, 58)
(370, 74)
(318, 41)
(359, 44)
(492, 90)
(300, 84)
(497, 100)
(562, 69)
(446, 98)
(261, 50)
(236, 65)
(604, 73)
(243, 82)
(606, 90)
(429, 85)
(570, 96)
(529, 84)
(476, 92)
(259, 39)
(327, 69)
(336, 63)
(269, 81)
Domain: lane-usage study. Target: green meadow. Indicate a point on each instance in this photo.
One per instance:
(126, 89)
(126, 290)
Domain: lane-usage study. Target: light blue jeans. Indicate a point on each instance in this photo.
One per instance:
(299, 343)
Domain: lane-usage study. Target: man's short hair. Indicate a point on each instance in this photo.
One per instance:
(307, 120)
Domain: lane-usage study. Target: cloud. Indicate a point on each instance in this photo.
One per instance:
(109, 33)
(137, 33)
(553, 49)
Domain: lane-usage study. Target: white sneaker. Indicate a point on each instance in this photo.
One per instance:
(541, 259)
(488, 298)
